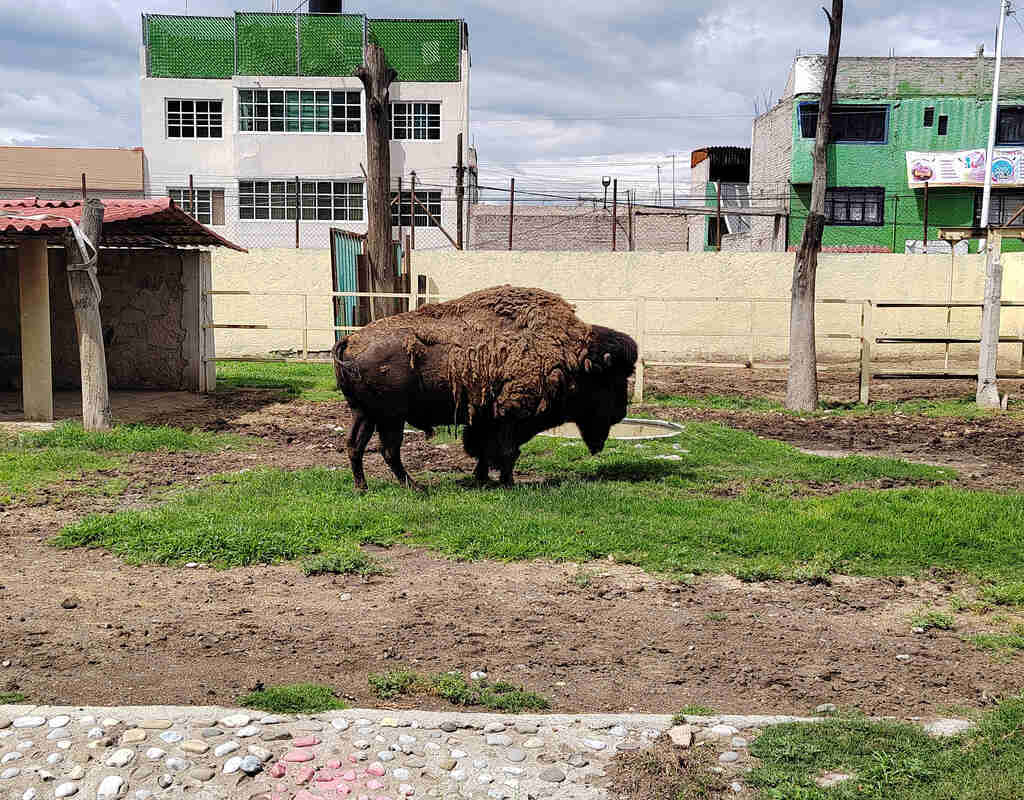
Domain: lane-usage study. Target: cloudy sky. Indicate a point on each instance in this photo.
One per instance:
(561, 92)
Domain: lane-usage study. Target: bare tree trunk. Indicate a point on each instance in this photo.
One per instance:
(802, 387)
(85, 300)
(377, 77)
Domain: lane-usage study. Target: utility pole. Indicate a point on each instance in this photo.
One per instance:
(659, 184)
(673, 157)
(460, 191)
(988, 390)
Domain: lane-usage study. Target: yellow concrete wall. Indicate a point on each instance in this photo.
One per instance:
(284, 270)
(604, 287)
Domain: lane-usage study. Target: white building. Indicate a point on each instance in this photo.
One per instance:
(244, 105)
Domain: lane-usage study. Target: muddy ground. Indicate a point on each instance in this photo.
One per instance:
(611, 638)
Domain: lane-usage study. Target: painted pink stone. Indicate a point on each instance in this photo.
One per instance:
(348, 775)
(324, 776)
(299, 755)
(344, 791)
(333, 764)
(278, 770)
(305, 774)
(376, 768)
(305, 741)
(352, 757)
(304, 795)
(374, 785)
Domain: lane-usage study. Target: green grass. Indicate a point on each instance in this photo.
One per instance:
(958, 407)
(12, 698)
(625, 504)
(345, 558)
(41, 458)
(298, 698)
(932, 619)
(454, 688)
(128, 439)
(1005, 643)
(1005, 594)
(306, 381)
(893, 761)
(692, 710)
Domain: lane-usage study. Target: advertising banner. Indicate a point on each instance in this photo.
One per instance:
(965, 168)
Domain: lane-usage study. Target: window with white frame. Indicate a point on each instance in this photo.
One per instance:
(209, 208)
(415, 120)
(324, 201)
(195, 119)
(299, 111)
(402, 211)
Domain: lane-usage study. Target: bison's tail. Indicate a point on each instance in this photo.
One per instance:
(338, 356)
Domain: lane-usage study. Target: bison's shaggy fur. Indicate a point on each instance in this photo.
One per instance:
(511, 352)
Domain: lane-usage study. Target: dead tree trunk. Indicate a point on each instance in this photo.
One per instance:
(377, 78)
(85, 300)
(802, 387)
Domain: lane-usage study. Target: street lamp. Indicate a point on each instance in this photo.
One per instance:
(606, 181)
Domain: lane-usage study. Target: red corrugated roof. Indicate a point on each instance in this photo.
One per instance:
(126, 223)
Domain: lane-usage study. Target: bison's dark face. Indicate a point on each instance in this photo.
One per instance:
(602, 395)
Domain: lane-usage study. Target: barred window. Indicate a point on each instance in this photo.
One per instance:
(416, 121)
(195, 119)
(1003, 205)
(325, 201)
(850, 123)
(854, 206)
(209, 208)
(1010, 125)
(299, 111)
(402, 211)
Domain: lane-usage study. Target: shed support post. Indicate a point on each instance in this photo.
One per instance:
(36, 353)
(96, 414)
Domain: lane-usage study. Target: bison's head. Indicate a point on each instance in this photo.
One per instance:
(602, 395)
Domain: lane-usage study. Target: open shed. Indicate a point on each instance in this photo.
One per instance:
(153, 267)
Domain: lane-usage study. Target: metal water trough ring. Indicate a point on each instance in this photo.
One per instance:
(670, 429)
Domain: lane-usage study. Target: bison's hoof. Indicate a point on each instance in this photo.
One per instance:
(360, 489)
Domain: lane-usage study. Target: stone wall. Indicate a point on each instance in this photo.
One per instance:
(770, 152)
(146, 320)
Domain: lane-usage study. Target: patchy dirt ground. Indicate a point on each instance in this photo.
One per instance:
(615, 639)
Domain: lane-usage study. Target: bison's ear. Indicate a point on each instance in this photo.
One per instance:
(587, 365)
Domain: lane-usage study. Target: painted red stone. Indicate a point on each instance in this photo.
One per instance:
(299, 756)
(324, 776)
(376, 768)
(305, 774)
(305, 741)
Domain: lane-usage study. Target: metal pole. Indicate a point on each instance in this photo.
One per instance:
(615, 212)
(192, 197)
(298, 208)
(986, 195)
(926, 217)
(412, 208)
(83, 187)
(460, 191)
(629, 202)
(511, 210)
(400, 237)
(718, 216)
(673, 180)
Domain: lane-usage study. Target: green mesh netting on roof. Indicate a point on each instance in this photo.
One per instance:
(420, 50)
(330, 44)
(191, 47)
(266, 44)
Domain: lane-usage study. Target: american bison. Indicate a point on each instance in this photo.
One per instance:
(506, 363)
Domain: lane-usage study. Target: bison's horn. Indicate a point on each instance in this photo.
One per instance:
(608, 359)
(587, 366)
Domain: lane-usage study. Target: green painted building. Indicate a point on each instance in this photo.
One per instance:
(884, 108)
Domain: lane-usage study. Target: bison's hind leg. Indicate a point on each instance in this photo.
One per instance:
(474, 442)
(391, 434)
(358, 438)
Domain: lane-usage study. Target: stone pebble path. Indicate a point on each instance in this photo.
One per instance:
(140, 753)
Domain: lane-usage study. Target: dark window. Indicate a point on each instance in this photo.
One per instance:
(849, 123)
(854, 206)
(1003, 206)
(403, 216)
(943, 125)
(929, 117)
(717, 228)
(1010, 125)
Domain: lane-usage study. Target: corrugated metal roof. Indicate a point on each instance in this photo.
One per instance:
(153, 222)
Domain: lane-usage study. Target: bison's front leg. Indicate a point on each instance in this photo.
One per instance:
(508, 454)
(391, 444)
(358, 438)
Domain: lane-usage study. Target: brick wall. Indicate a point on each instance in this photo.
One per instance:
(770, 151)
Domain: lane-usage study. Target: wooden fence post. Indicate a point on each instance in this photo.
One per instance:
(641, 327)
(866, 335)
(85, 299)
(511, 209)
